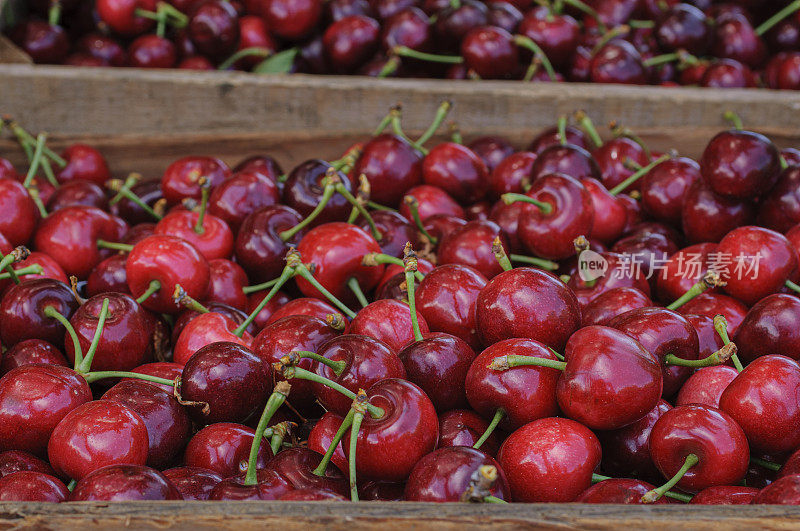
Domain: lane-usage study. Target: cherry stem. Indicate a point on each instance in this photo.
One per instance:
(391, 66)
(410, 264)
(54, 14)
(527, 43)
(588, 126)
(86, 365)
(765, 464)
(542, 263)
(92, 377)
(658, 60)
(51, 312)
(337, 438)
(290, 371)
(615, 32)
(734, 119)
(455, 134)
(37, 200)
(355, 287)
(597, 478)
(287, 273)
(131, 180)
(35, 160)
(579, 5)
(116, 246)
(509, 198)
(783, 162)
(26, 138)
(717, 358)
(384, 123)
(504, 363)
(154, 286)
(441, 114)
(405, 51)
(258, 287)
(327, 192)
(654, 495)
(620, 131)
(358, 408)
(205, 186)
(303, 272)
(16, 255)
(375, 206)
(397, 126)
(253, 51)
(562, 130)
(275, 401)
(498, 416)
(337, 366)
(642, 24)
(181, 298)
(709, 280)
(638, 175)
(374, 259)
(33, 269)
(413, 206)
(493, 499)
(792, 286)
(556, 354)
(119, 187)
(71, 485)
(279, 433)
(500, 255)
(721, 327)
(339, 187)
(777, 17)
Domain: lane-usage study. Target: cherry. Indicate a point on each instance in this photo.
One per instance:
(362, 362)
(712, 436)
(767, 329)
(303, 306)
(168, 425)
(223, 448)
(620, 491)
(295, 467)
(226, 280)
(43, 42)
(463, 427)
(350, 41)
(556, 34)
(193, 483)
(164, 262)
(705, 387)
(152, 51)
(713, 304)
(446, 475)
(752, 246)
(75, 193)
(707, 217)
(322, 435)
(684, 269)
(304, 189)
(665, 186)
(791, 466)
(567, 159)
(408, 422)
(392, 166)
(511, 174)
(528, 303)
(430, 201)
(182, 178)
(626, 451)
(471, 245)
(388, 321)
(161, 369)
(785, 491)
(735, 38)
(763, 401)
(338, 9)
(24, 314)
(253, 36)
(612, 303)
(453, 23)
(727, 73)
(618, 62)
(19, 223)
(312, 495)
(780, 208)
(149, 192)
(336, 250)
(724, 495)
(83, 163)
(210, 235)
(259, 248)
(740, 164)
(97, 434)
(492, 149)
(612, 158)
(31, 352)
(549, 460)
(32, 486)
(125, 482)
(394, 229)
(291, 20)
(225, 381)
(209, 327)
(457, 170)
(121, 16)
(683, 27)
(102, 47)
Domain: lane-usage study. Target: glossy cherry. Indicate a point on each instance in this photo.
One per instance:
(32, 486)
(223, 448)
(23, 307)
(31, 352)
(707, 217)
(389, 181)
(125, 482)
(193, 483)
(740, 164)
(181, 179)
(464, 427)
(705, 387)
(259, 248)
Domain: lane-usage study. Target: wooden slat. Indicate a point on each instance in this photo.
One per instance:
(307, 516)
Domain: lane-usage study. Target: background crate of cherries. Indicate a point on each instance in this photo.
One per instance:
(738, 43)
(579, 321)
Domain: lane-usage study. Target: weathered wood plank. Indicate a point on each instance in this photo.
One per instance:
(302, 516)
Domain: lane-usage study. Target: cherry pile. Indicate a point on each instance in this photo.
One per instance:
(408, 322)
(738, 43)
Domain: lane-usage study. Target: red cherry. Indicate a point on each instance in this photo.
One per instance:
(463, 427)
(556, 34)
(226, 280)
(224, 448)
(610, 213)
(492, 149)
(618, 62)
(162, 369)
(445, 474)
(97, 434)
(241, 195)
(152, 51)
(569, 160)
(683, 269)
(120, 15)
(20, 220)
(349, 42)
(23, 311)
(388, 321)
(511, 173)
(182, 178)
(83, 163)
(705, 387)
(620, 491)
(713, 304)
(303, 306)
(767, 328)
(214, 29)
(125, 482)
(490, 52)
(612, 303)
(612, 156)
(43, 42)
(291, 20)
(472, 245)
(707, 217)
(321, 437)
(549, 460)
(740, 164)
(780, 208)
(432, 201)
(75, 193)
(193, 483)
(214, 240)
(712, 435)
(725, 495)
(392, 166)
(259, 247)
(108, 50)
(31, 486)
(31, 352)
(785, 491)
(457, 170)
(665, 186)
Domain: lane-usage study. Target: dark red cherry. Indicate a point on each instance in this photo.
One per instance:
(682, 270)
(193, 483)
(392, 166)
(740, 164)
(551, 137)
(388, 321)
(76, 193)
(259, 248)
(707, 217)
(32, 486)
(149, 192)
(727, 73)
(102, 47)
(350, 42)
(735, 38)
(463, 427)
(120, 15)
(152, 51)
(181, 179)
(712, 304)
(612, 158)
(45, 43)
(83, 163)
(322, 435)
(303, 191)
(619, 491)
(612, 303)
(618, 62)
(395, 229)
(457, 170)
(338, 9)
(295, 466)
(683, 27)
(229, 381)
(409, 27)
(528, 303)
(241, 195)
(556, 34)
(214, 29)
(22, 311)
(432, 201)
(490, 52)
(292, 20)
(226, 281)
(785, 491)
(549, 460)
(780, 208)
(491, 149)
(224, 448)
(569, 160)
(471, 245)
(455, 21)
(445, 474)
(125, 482)
(767, 328)
(303, 306)
(705, 386)
(31, 352)
(725, 495)
(511, 174)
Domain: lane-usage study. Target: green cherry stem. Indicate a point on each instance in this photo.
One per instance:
(17, 254)
(33, 191)
(33, 269)
(455, 134)
(765, 464)
(344, 192)
(51, 312)
(588, 126)
(337, 438)
(290, 371)
(562, 130)
(94, 376)
(710, 279)
(275, 401)
(654, 495)
(337, 366)
(509, 198)
(721, 327)
(259, 287)
(410, 264)
(355, 287)
(331, 179)
(638, 175)
(405, 51)
(35, 161)
(498, 416)
(131, 180)
(494, 499)
(116, 246)
(717, 358)
(397, 127)
(118, 186)
(792, 286)
(441, 114)
(581, 6)
(390, 67)
(278, 434)
(777, 17)
(413, 206)
(374, 259)
(504, 363)
(541, 263)
(500, 255)
(26, 137)
(205, 190)
(86, 365)
(527, 43)
(359, 408)
(303, 272)
(181, 298)
(375, 206)
(154, 286)
(253, 51)
(287, 273)
(734, 119)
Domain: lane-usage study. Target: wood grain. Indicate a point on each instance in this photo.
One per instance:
(305, 516)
